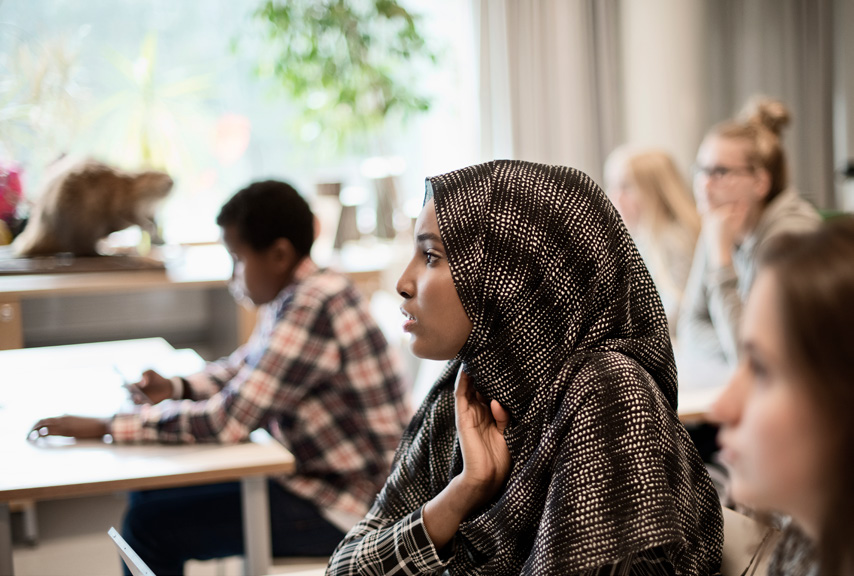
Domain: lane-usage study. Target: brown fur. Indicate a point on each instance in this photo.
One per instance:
(83, 201)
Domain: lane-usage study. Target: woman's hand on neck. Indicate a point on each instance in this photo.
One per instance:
(486, 463)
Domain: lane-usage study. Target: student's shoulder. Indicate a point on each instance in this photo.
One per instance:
(326, 287)
(790, 213)
(611, 381)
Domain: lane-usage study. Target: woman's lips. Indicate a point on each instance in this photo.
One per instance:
(409, 321)
(728, 456)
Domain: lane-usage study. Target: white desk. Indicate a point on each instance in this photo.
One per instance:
(81, 379)
(701, 381)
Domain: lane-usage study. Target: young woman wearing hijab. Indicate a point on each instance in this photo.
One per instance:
(558, 450)
(787, 435)
(741, 184)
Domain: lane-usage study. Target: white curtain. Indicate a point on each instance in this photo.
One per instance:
(784, 49)
(548, 81)
(552, 89)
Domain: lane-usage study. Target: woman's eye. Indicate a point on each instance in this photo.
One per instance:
(430, 257)
(757, 368)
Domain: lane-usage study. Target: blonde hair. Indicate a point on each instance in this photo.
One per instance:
(668, 197)
(667, 200)
(760, 124)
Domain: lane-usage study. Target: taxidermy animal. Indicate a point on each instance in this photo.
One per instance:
(83, 201)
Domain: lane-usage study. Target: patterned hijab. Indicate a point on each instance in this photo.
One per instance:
(570, 336)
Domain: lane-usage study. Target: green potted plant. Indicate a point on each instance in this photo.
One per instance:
(351, 69)
(348, 65)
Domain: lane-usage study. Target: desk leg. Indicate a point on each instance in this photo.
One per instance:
(6, 566)
(11, 325)
(256, 526)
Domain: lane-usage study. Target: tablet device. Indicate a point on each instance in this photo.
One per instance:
(134, 563)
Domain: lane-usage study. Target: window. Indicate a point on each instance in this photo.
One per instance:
(160, 80)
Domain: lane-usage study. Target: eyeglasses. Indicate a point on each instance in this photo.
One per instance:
(720, 173)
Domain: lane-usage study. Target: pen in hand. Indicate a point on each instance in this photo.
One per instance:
(136, 393)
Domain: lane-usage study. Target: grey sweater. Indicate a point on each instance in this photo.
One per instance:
(711, 310)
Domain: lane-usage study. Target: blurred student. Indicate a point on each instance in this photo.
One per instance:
(741, 183)
(787, 435)
(317, 374)
(657, 208)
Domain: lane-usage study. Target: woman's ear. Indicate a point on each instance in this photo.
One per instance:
(762, 187)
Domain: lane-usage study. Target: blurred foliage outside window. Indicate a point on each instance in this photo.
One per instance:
(349, 65)
(179, 86)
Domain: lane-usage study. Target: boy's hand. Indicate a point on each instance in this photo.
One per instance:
(76, 426)
(155, 386)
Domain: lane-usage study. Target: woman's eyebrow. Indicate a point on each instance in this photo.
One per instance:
(751, 348)
(429, 236)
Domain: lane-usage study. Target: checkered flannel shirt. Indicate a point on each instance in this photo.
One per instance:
(318, 375)
(379, 547)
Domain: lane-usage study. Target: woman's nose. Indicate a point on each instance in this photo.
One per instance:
(403, 291)
(729, 406)
(405, 285)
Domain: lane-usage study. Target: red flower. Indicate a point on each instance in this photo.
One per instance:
(11, 190)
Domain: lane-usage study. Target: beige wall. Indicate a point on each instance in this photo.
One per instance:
(843, 100)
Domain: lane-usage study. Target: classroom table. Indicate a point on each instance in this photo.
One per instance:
(201, 269)
(85, 379)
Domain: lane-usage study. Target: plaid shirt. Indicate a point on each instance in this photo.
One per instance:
(379, 547)
(318, 375)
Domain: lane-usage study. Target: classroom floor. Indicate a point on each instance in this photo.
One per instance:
(73, 541)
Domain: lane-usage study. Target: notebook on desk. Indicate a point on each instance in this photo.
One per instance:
(134, 563)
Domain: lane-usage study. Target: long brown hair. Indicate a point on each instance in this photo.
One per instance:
(760, 125)
(815, 282)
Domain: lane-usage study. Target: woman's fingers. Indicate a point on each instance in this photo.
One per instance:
(466, 396)
(461, 385)
(501, 415)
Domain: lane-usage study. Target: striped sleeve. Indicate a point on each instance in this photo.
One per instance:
(378, 547)
(298, 353)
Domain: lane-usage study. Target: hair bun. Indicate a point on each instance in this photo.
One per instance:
(767, 112)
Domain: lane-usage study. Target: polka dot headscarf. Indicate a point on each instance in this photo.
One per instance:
(570, 336)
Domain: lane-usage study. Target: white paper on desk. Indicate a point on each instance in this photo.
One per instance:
(85, 391)
(697, 373)
(176, 363)
(700, 382)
